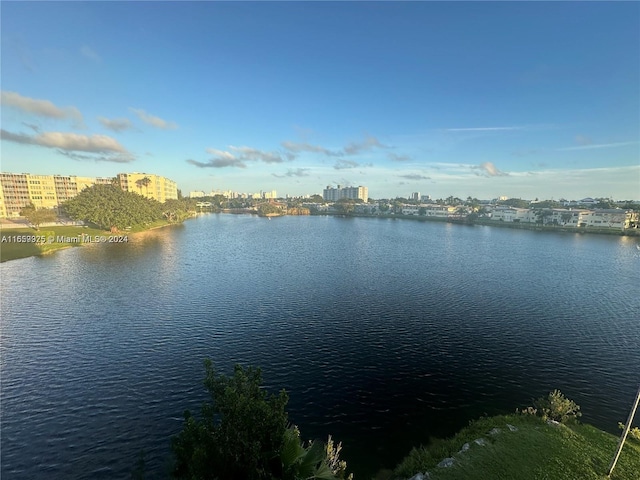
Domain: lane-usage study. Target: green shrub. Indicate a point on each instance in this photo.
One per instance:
(557, 407)
(316, 461)
(242, 434)
(633, 432)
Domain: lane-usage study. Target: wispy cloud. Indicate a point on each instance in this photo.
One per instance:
(116, 124)
(249, 153)
(399, 158)
(32, 126)
(595, 146)
(17, 137)
(368, 143)
(344, 164)
(220, 153)
(353, 148)
(68, 143)
(154, 121)
(43, 108)
(306, 147)
(298, 172)
(489, 169)
(89, 53)
(239, 157)
(218, 163)
(414, 176)
(119, 158)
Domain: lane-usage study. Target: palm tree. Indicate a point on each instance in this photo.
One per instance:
(146, 181)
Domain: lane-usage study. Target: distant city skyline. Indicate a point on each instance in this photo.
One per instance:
(480, 99)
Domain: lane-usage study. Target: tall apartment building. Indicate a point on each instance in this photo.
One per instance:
(18, 190)
(331, 194)
(149, 185)
(14, 189)
(69, 186)
(269, 194)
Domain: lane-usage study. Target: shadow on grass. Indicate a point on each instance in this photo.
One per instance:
(13, 251)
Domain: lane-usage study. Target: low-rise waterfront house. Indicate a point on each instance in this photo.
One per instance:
(610, 218)
(440, 211)
(366, 208)
(410, 209)
(512, 214)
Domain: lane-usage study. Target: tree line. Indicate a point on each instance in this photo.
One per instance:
(108, 207)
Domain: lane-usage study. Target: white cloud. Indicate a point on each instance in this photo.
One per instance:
(414, 176)
(154, 121)
(68, 143)
(84, 143)
(239, 157)
(113, 158)
(43, 108)
(489, 169)
(306, 147)
(249, 153)
(369, 143)
(220, 153)
(116, 124)
(218, 163)
(298, 172)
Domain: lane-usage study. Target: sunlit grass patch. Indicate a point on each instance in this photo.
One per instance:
(537, 450)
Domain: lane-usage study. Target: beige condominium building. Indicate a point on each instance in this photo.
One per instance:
(149, 185)
(18, 190)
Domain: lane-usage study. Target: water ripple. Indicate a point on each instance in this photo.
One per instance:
(383, 333)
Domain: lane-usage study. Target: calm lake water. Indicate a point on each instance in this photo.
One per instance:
(384, 333)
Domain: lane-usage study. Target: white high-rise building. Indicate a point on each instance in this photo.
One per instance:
(331, 194)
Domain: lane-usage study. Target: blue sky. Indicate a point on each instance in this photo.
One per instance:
(481, 99)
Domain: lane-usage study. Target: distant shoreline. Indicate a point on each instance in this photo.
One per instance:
(494, 223)
(461, 221)
(14, 251)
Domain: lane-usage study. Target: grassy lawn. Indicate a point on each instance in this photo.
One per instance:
(536, 451)
(12, 250)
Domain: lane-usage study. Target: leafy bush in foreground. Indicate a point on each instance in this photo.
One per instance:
(243, 434)
(316, 461)
(557, 407)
